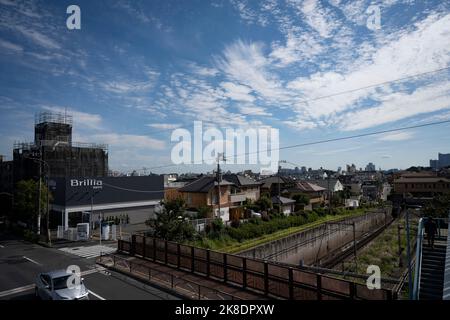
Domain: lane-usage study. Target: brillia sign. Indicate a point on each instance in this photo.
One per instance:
(86, 183)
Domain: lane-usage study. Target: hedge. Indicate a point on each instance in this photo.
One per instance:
(256, 227)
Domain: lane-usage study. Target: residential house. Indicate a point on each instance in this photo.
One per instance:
(333, 185)
(273, 184)
(203, 192)
(243, 188)
(314, 192)
(287, 205)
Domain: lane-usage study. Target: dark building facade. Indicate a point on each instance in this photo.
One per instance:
(61, 157)
(87, 199)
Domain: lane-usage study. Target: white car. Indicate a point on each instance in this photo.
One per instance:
(255, 214)
(55, 285)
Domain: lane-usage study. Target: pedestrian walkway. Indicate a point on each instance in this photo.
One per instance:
(89, 251)
(185, 283)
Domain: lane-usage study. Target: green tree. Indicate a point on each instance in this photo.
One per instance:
(26, 201)
(264, 203)
(172, 223)
(301, 199)
(204, 212)
(438, 207)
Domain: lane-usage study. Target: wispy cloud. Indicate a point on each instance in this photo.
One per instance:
(398, 136)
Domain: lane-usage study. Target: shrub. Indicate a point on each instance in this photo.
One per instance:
(235, 223)
(30, 236)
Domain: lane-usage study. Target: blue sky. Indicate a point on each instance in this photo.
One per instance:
(138, 69)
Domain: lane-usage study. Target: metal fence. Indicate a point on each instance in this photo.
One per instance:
(271, 279)
(185, 287)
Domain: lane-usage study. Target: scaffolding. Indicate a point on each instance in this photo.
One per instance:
(53, 117)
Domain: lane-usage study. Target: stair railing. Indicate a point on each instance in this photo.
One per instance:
(418, 266)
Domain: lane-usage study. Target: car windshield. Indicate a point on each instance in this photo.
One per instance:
(60, 283)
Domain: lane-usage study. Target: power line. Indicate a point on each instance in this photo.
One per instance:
(333, 94)
(132, 190)
(324, 141)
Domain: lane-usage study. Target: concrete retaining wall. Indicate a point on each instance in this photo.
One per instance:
(314, 244)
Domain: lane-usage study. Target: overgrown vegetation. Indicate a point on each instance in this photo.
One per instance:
(384, 251)
(256, 231)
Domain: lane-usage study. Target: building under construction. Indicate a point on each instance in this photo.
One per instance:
(61, 157)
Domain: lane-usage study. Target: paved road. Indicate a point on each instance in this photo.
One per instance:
(20, 262)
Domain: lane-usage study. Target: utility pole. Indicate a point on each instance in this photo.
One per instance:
(49, 234)
(219, 178)
(279, 183)
(39, 195)
(279, 191)
(354, 246)
(400, 262)
(329, 196)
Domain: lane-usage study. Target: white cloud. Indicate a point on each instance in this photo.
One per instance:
(81, 120)
(317, 17)
(9, 46)
(246, 64)
(129, 141)
(397, 136)
(298, 48)
(253, 110)
(163, 125)
(237, 92)
(38, 38)
(202, 70)
(403, 54)
(399, 106)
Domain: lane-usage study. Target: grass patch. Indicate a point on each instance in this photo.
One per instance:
(384, 252)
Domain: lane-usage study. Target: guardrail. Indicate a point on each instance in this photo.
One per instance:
(440, 223)
(256, 275)
(446, 289)
(418, 259)
(185, 287)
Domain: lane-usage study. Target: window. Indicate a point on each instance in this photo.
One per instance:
(189, 198)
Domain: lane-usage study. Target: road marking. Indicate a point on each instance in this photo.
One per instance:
(96, 295)
(32, 286)
(1, 246)
(89, 251)
(31, 260)
(16, 290)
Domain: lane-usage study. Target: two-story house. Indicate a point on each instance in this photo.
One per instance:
(203, 192)
(243, 188)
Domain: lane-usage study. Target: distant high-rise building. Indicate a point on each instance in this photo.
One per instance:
(434, 164)
(370, 167)
(351, 168)
(442, 161)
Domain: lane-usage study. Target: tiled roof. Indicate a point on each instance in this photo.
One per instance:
(203, 184)
(276, 200)
(306, 186)
(240, 181)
